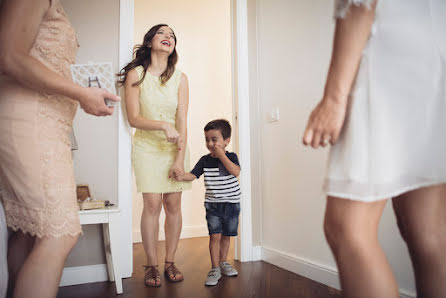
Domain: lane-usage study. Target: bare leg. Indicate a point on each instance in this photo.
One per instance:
(351, 229)
(224, 247)
(214, 249)
(150, 228)
(421, 217)
(20, 246)
(172, 226)
(40, 275)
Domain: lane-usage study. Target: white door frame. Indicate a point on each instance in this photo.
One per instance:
(239, 15)
(126, 15)
(126, 34)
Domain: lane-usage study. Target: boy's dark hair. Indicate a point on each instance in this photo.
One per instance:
(222, 125)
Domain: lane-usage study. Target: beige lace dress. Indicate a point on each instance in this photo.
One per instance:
(36, 170)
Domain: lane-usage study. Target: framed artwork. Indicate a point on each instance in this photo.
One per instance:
(83, 192)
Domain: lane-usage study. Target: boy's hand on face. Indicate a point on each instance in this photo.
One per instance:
(219, 151)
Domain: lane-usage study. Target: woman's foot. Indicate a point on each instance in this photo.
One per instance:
(172, 273)
(152, 277)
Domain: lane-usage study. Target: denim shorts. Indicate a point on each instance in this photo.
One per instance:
(222, 218)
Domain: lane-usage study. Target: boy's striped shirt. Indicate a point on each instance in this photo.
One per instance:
(221, 186)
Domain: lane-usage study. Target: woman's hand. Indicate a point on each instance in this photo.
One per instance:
(351, 36)
(325, 123)
(176, 170)
(92, 101)
(171, 133)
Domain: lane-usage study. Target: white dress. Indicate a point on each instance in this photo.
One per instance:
(394, 136)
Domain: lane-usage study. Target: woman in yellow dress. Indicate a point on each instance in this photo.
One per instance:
(157, 96)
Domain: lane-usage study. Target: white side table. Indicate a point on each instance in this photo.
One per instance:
(108, 217)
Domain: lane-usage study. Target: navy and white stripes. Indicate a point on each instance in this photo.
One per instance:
(221, 188)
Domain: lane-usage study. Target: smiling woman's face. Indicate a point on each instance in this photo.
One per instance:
(164, 40)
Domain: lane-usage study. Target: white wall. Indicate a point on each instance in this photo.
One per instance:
(95, 163)
(293, 47)
(203, 30)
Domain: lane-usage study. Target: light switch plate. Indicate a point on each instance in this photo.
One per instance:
(274, 115)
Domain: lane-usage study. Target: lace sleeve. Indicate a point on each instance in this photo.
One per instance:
(342, 6)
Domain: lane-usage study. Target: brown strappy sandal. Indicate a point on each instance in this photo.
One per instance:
(172, 270)
(152, 273)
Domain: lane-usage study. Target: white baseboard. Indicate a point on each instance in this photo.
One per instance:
(136, 236)
(83, 274)
(257, 253)
(307, 268)
(187, 232)
(321, 273)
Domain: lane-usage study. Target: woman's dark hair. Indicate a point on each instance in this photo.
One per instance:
(143, 57)
(220, 124)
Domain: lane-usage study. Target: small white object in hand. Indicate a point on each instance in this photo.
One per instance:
(110, 103)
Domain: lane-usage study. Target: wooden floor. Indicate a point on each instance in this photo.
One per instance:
(255, 279)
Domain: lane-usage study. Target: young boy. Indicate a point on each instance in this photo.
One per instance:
(222, 198)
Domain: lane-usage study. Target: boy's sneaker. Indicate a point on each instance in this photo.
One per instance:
(213, 276)
(227, 269)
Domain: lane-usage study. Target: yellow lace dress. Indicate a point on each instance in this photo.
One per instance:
(37, 184)
(152, 155)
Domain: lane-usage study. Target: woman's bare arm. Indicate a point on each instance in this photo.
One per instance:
(351, 35)
(181, 117)
(134, 116)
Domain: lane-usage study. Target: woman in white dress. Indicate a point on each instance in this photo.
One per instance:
(384, 112)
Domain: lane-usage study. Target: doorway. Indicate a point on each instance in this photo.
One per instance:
(203, 30)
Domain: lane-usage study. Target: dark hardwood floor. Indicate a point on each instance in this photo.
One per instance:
(255, 279)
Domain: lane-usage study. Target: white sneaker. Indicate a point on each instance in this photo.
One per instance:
(213, 276)
(227, 269)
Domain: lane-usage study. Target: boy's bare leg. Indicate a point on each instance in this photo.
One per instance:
(224, 247)
(214, 249)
